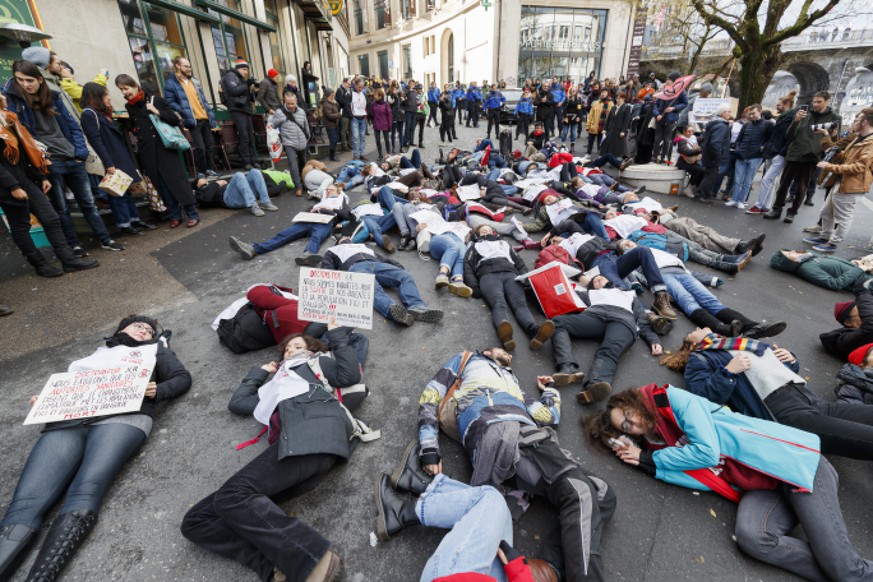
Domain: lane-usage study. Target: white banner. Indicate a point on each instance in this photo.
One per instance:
(325, 294)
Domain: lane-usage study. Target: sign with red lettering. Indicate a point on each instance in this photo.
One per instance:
(326, 294)
(90, 393)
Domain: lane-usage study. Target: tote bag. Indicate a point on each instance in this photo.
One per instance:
(171, 137)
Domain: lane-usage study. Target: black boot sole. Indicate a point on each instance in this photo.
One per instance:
(381, 523)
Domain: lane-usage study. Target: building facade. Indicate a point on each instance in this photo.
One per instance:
(508, 40)
(141, 37)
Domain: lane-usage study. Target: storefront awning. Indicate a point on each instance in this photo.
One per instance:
(234, 14)
(318, 12)
(186, 10)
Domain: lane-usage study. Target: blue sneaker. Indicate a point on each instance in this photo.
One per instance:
(815, 240)
(825, 248)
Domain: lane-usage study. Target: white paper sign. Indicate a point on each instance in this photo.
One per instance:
(313, 217)
(90, 393)
(470, 192)
(704, 109)
(561, 211)
(348, 297)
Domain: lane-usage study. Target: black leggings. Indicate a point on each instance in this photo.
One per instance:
(385, 138)
(494, 120)
(18, 214)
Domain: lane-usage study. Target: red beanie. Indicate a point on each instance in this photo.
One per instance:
(272, 73)
(859, 356)
(241, 63)
(842, 309)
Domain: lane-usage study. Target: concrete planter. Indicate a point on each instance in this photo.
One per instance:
(655, 177)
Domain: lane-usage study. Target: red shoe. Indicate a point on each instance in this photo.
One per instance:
(175, 223)
(192, 222)
(754, 210)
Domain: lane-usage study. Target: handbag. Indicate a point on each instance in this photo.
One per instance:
(116, 183)
(94, 165)
(171, 137)
(156, 203)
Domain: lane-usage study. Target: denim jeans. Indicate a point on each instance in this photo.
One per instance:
(615, 269)
(409, 122)
(397, 134)
(590, 223)
(316, 233)
(72, 174)
(449, 250)
(571, 129)
(81, 460)
(359, 136)
(765, 188)
(388, 275)
(240, 520)
(387, 199)
(377, 225)
(689, 293)
(413, 162)
(350, 175)
(478, 520)
(333, 139)
(244, 190)
(744, 173)
(123, 209)
(19, 221)
(765, 517)
(173, 206)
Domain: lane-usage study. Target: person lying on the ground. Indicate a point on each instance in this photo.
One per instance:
(701, 306)
(447, 243)
(357, 258)
(334, 203)
(79, 459)
(552, 210)
(493, 193)
(657, 237)
(761, 380)
(705, 235)
(350, 175)
(479, 541)
(400, 165)
(602, 190)
(825, 271)
(855, 378)
(615, 318)
(501, 428)
(241, 521)
(315, 178)
(774, 472)
(243, 190)
(490, 269)
(856, 319)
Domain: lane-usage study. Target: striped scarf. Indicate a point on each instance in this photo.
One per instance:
(714, 341)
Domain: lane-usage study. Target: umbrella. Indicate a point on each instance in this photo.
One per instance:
(673, 91)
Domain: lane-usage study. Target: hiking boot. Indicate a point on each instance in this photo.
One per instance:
(744, 262)
(763, 330)
(567, 374)
(245, 250)
(662, 307)
(66, 535)
(774, 214)
(256, 210)
(395, 511)
(659, 324)
(542, 335)
(426, 314)
(408, 476)
(594, 392)
(442, 281)
(458, 288)
(308, 260)
(504, 334)
(404, 240)
(399, 314)
(326, 570)
(789, 217)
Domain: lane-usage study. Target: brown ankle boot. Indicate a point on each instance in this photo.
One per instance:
(662, 306)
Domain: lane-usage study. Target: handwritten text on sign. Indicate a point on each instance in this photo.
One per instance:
(347, 296)
(90, 393)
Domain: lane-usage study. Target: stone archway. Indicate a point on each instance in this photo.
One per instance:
(448, 64)
(812, 78)
(781, 85)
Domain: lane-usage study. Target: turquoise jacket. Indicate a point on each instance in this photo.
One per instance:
(788, 454)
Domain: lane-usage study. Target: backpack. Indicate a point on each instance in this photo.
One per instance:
(556, 253)
(246, 331)
(221, 96)
(447, 414)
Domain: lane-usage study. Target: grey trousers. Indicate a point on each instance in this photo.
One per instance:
(836, 216)
(705, 236)
(501, 228)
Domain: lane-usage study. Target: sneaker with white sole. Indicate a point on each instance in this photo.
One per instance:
(112, 245)
(269, 207)
(730, 203)
(826, 248)
(741, 205)
(815, 240)
(245, 250)
(256, 210)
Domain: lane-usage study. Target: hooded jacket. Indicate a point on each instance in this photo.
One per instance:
(804, 145)
(843, 340)
(829, 272)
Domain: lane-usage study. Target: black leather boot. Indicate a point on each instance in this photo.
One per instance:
(73, 263)
(703, 318)
(41, 265)
(408, 475)
(728, 315)
(395, 511)
(15, 541)
(66, 534)
(562, 350)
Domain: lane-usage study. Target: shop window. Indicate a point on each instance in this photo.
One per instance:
(155, 39)
(364, 65)
(560, 42)
(228, 37)
(383, 14)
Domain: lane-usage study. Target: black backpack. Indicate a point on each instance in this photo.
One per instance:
(246, 331)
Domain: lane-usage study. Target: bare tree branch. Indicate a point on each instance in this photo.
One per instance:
(802, 23)
(728, 27)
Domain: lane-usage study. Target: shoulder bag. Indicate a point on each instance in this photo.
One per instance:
(171, 137)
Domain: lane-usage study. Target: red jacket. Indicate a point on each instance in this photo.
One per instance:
(516, 571)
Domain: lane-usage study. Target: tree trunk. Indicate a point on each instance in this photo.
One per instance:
(757, 68)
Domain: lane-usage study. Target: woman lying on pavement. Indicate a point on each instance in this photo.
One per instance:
(774, 472)
(855, 378)
(554, 212)
(825, 271)
(490, 269)
(80, 459)
(240, 520)
(761, 380)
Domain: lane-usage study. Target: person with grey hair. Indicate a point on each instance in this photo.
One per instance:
(294, 130)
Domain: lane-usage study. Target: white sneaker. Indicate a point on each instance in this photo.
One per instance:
(731, 203)
(256, 210)
(741, 205)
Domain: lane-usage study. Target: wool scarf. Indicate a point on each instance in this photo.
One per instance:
(14, 137)
(714, 341)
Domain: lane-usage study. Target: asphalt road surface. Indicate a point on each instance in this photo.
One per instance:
(186, 277)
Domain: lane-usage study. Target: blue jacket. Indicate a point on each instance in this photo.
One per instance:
(474, 94)
(662, 242)
(433, 94)
(108, 143)
(559, 95)
(525, 106)
(68, 124)
(174, 94)
(752, 138)
(788, 454)
(707, 376)
(494, 100)
(678, 104)
(716, 143)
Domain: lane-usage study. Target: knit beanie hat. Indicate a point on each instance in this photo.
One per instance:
(241, 63)
(842, 309)
(137, 318)
(859, 355)
(38, 55)
(674, 75)
(272, 73)
(707, 87)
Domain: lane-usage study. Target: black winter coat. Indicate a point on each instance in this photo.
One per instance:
(21, 175)
(314, 422)
(778, 142)
(237, 93)
(344, 99)
(752, 138)
(843, 341)
(617, 122)
(108, 142)
(475, 267)
(156, 160)
(716, 142)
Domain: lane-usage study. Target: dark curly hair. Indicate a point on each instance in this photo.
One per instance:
(598, 427)
(312, 344)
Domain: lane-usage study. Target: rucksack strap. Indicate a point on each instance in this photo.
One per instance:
(466, 358)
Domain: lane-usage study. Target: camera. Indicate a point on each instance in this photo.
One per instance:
(826, 126)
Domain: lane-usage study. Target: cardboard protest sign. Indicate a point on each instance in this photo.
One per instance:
(348, 297)
(705, 107)
(313, 217)
(90, 393)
